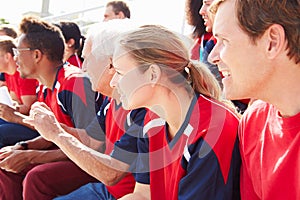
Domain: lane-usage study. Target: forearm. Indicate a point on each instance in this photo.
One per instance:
(46, 156)
(39, 143)
(18, 117)
(101, 166)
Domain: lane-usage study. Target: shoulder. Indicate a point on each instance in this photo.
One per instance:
(70, 77)
(257, 111)
(152, 121)
(254, 120)
(215, 110)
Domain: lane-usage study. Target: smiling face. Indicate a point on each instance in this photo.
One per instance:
(133, 85)
(204, 13)
(240, 60)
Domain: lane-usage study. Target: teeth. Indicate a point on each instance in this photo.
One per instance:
(226, 73)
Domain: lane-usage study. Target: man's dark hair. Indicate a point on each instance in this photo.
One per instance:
(119, 6)
(44, 36)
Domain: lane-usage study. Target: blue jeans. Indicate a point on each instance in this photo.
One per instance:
(90, 191)
(11, 133)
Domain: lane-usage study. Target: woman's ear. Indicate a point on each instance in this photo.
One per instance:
(154, 73)
(70, 43)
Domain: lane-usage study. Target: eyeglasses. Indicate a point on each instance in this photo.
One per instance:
(16, 51)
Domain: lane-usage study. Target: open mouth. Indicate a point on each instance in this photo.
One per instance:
(226, 74)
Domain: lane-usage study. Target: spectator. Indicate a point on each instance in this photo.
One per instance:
(39, 54)
(9, 31)
(74, 42)
(187, 153)
(116, 10)
(199, 35)
(22, 92)
(258, 49)
(241, 104)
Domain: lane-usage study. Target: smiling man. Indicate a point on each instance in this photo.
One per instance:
(258, 53)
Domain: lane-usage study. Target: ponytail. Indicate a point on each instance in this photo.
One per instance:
(79, 50)
(203, 81)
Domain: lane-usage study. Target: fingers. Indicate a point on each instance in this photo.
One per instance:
(40, 105)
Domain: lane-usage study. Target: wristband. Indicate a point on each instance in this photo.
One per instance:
(23, 144)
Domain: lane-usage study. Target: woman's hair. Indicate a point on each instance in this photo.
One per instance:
(193, 17)
(71, 30)
(153, 44)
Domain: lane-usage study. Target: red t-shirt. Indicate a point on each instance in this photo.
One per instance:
(270, 152)
(20, 86)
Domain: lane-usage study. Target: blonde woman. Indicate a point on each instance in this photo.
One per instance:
(192, 136)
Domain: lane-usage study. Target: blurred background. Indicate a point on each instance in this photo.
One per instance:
(169, 13)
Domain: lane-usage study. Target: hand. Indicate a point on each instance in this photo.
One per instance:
(15, 160)
(7, 112)
(10, 148)
(44, 121)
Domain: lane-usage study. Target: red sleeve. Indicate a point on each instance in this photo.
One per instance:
(28, 86)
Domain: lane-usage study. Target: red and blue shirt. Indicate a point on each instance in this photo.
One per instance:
(202, 161)
(121, 129)
(71, 98)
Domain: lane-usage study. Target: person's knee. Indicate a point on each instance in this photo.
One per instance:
(34, 178)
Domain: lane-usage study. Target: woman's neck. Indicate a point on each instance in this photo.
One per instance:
(173, 107)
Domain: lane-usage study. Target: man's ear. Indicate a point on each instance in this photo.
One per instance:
(276, 40)
(37, 55)
(121, 15)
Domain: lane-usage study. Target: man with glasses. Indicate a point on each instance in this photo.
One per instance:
(67, 92)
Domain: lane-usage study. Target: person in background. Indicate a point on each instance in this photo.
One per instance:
(261, 60)
(241, 104)
(37, 165)
(199, 35)
(192, 136)
(116, 10)
(10, 31)
(22, 92)
(74, 42)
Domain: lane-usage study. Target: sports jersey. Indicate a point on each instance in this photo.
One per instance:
(198, 47)
(202, 160)
(75, 61)
(20, 86)
(71, 99)
(121, 128)
(269, 145)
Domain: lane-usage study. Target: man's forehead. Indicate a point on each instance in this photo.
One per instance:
(225, 14)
